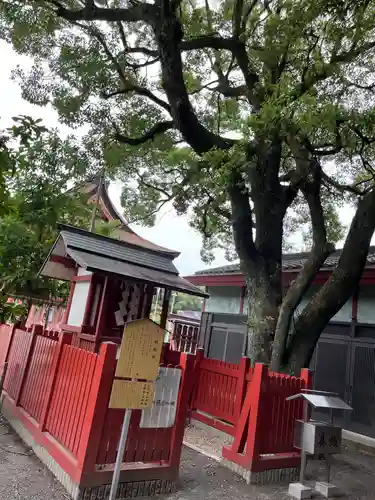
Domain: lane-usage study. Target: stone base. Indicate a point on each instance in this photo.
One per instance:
(327, 490)
(271, 476)
(299, 491)
(130, 490)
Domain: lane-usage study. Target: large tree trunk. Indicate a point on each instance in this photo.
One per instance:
(336, 291)
(260, 258)
(264, 295)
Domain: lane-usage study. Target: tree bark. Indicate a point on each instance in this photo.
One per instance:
(337, 290)
(260, 257)
(320, 250)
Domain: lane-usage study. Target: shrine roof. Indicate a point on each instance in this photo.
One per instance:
(76, 247)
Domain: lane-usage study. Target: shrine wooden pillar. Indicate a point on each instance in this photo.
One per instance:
(165, 307)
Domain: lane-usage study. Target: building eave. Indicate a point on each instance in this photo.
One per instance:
(238, 280)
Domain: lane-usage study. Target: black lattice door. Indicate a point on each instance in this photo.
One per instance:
(362, 385)
(332, 372)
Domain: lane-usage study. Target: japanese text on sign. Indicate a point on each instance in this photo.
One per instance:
(162, 413)
(131, 394)
(141, 346)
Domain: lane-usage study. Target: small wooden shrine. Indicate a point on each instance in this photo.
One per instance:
(112, 282)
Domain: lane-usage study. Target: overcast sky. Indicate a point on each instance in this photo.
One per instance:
(170, 230)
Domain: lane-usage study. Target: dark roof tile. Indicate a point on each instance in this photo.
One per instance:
(291, 262)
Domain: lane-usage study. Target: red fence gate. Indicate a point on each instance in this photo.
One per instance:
(250, 404)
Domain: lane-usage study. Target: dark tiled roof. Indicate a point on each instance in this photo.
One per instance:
(105, 255)
(80, 239)
(108, 265)
(291, 262)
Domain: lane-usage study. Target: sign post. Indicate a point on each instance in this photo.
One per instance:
(120, 454)
(134, 383)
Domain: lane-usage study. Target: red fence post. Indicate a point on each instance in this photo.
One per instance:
(97, 407)
(187, 365)
(9, 341)
(241, 386)
(198, 359)
(65, 339)
(28, 356)
(307, 377)
(255, 428)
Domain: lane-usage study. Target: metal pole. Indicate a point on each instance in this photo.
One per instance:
(327, 457)
(120, 454)
(303, 454)
(96, 204)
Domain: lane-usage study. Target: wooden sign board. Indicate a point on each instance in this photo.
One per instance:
(162, 413)
(132, 395)
(140, 350)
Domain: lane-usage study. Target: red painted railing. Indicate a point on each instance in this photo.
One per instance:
(33, 395)
(69, 400)
(218, 391)
(250, 404)
(60, 394)
(17, 362)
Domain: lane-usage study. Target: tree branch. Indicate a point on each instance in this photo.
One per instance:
(328, 69)
(142, 50)
(319, 252)
(242, 218)
(168, 34)
(143, 91)
(157, 129)
(137, 12)
(336, 291)
(248, 12)
(237, 16)
(349, 188)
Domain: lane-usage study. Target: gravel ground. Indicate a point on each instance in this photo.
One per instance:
(352, 472)
(23, 476)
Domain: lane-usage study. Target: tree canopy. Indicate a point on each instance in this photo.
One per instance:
(252, 116)
(37, 168)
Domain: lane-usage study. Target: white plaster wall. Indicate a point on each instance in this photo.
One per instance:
(344, 314)
(366, 304)
(224, 299)
(83, 272)
(77, 308)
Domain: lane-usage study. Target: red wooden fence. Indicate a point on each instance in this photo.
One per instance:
(250, 404)
(60, 394)
(69, 400)
(33, 395)
(17, 362)
(218, 392)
